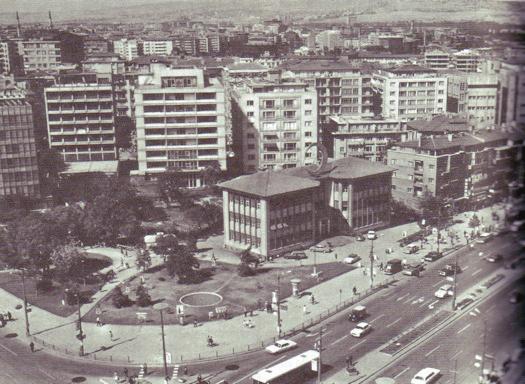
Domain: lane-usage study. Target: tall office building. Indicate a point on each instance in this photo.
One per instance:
(512, 92)
(18, 155)
(180, 118)
(411, 92)
(273, 124)
(5, 61)
(81, 123)
(126, 49)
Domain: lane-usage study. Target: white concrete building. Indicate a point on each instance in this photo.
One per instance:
(126, 49)
(180, 119)
(157, 47)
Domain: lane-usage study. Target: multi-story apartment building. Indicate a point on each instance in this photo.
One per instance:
(437, 59)
(273, 212)
(366, 138)
(273, 124)
(5, 58)
(81, 122)
(192, 44)
(411, 92)
(18, 154)
(475, 96)
(39, 54)
(180, 118)
(466, 60)
(126, 49)
(158, 47)
(329, 40)
(443, 59)
(462, 167)
(95, 45)
(511, 104)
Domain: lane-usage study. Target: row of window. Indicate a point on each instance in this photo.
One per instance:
(179, 108)
(14, 119)
(180, 120)
(89, 156)
(6, 190)
(81, 117)
(18, 162)
(78, 96)
(245, 239)
(286, 125)
(180, 131)
(84, 148)
(179, 96)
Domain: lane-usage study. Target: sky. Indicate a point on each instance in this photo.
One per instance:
(62, 5)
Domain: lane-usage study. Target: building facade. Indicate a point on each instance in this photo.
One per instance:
(180, 118)
(273, 212)
(5, 58)
(273, 124)
(411, 92)
(157, 47)
(18, 155)
(512, 92)
(39, 54)
(126, 49)
(81, 122)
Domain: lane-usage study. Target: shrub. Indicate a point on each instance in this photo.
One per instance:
(245, 270)
(143, 297)
(44, 286)
(119, 299)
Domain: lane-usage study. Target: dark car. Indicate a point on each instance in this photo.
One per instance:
(295, 255)
(494, 258)
(413, 270)
(449, 270)
(433, 256)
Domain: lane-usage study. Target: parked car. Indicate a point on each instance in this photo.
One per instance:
(321, 248)
(449, 270)
(351, 259)
(520, 261)
(358, 313)
(361, 329)
(280, 346)
(411, 248)
(484, 238)
(444, 291)
(494, 258)
(433, 256)
(413, 270)
(295, 255)
(393, 266)
(360, 238)
(371, 235)
(426, 376)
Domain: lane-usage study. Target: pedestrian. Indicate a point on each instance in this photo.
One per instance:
(99, 323)
(145, 369)
(32, 347)
(354, 290)
(126, 372)
(9, 316)
(110, 335)
(116, 377)
(121, 261)
(185, 370)
(381, 266)
(304, 309)
(245, 312)
(195, 323)
(312, 299)
(335, 256)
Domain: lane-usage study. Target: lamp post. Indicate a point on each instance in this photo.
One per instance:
(372, 264)
(160, 307)
(320, 347)
(454, 295)
(26, 316)
(279, 304)
(80, 335)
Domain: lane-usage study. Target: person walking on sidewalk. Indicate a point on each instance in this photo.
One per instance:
(110, 335)
(354, 290)
(304, 309)
(32, 347)
(312, 299)
(99, 323)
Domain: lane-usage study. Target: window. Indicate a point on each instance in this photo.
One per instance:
(250, 136)
(249, 114)
(307, 123)
(269, 103)
(430, 180)
(269, 115)
(251, 157)
(288, 103)
(393, 161)
(308, 113)
(308, 101)
(249, 103)
(251, 146)
(308, 134)
(289, 114)
(431, 166)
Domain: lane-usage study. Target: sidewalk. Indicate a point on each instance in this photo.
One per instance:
(135, 344)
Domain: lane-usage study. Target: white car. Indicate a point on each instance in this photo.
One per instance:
(351, 259)
(426, 376)
(371, 235)
(361, 329)
(280, 346)
(444, 291)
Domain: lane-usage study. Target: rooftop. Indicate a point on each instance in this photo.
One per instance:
(440, 124)
(108, 167)
(247, 67)
(460, 141)
(268, 183)
(319, 65)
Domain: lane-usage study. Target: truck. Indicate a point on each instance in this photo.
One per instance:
(358, 313)
(393, 266)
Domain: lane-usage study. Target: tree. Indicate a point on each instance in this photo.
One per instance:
(179, 260)
(143, 296)
(119, 299)
(50, 164)
(211, 174)
(143, 259)
(66, 260)
(171, 185)
(433, 208)
(474, 221)
(401, 213)
(212, 214)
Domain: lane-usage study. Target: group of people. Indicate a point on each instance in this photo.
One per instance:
(210, 341)
(4, 318)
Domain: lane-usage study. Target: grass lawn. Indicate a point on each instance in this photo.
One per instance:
(238, 293)
(52, 300)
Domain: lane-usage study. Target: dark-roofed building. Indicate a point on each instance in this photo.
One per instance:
(275, 212)
(439, 125)
(465, 167)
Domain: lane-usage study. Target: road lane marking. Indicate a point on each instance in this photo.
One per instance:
(338, 340)
(465, 268)
(464, 328)
(456, 355)
(432, 351)
(377, 318)
(355, 345)
(431, 305)
(400, 373)
(402, 297)
(438, 283)
(254, 372)
(478, 271)
(9, 350)
(47, 374)
(392, 323)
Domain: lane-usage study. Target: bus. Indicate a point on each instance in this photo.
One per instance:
(291, 371)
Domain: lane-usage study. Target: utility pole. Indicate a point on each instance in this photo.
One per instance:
(26, 316)
(438, 228)
(160, 307)
(372, 264)
(455, 281)
(320, 352)
(80, 335)
(279, 305)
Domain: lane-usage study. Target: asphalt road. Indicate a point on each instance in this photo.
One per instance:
(453, 350)
(401, 306)
(391, 312)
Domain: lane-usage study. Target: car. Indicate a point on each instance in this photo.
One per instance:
(295, 255)
(371, 235)
(281, 346)
(413, 270)
(516, 297)
(444, 291)
(351, 259)
(494, 258)
(516, 263)
(360, 238)
(484, 238)
(411, 248)
(321, 248)
(361, 329)
(426, 376)
(358, 313)
(449, 270)
(433, 256)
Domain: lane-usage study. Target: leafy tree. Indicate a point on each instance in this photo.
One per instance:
(401, 213)
(179, 260)
(474, 221)
(212, 173)
(171, 185)
(212, 214)
(143, 296)
(249, 263)
(196, 215)
(143, 259)
(50, 164)
(433, 208)
(66, 260)
(119, 299)
(245, 270)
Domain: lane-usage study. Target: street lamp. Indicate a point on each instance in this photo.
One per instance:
(475, 313)
(454, 295)
(371, 256)
(80, 335)
(279, 304)
(160, 307)
(26, 316)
